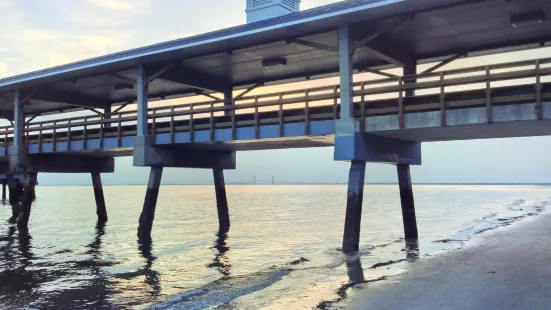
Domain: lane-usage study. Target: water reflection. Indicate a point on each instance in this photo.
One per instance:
(354, 268)
(152, 277)
(412, 249)
(221, 261)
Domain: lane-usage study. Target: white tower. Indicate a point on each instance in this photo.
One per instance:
(258, 10)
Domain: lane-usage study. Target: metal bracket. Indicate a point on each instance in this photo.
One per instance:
(160, 72)
(444, 62)
(248, 90)
(385, 74)
(320, 46)
(31, 119)
(121, 107)
(200, 93)
(94, 110)
(363, 41)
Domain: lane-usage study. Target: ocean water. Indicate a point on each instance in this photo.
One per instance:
(281, 252)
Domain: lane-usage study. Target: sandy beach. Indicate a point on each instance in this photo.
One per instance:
(508, 268)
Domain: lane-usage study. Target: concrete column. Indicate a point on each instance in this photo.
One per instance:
(101, 210)
(28, 193)
(352, 222)
(19, 154)
(406, 197)
(410, 69)
(142, 101)
(221, 199)
(228, 96)
(107, 111)
(148, 211)
(4, 181)
(16, 190)
(346, 73)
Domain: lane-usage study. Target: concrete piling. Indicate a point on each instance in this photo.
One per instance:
(4, 182)
(221, 199)
(101, 209)
(356, 178)
(406, 197)
(150, 202)
(25, 210)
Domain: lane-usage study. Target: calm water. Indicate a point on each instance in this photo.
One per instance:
(281, 251)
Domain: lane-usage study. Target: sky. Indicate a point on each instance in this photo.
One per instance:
(36, 34)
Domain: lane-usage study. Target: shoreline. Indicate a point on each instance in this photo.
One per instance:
(504, 268)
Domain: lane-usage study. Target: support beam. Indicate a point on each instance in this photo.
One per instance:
(352, 221)
(28, 197)
(148, 212)
(142, 93)
(443, 63)
(386, 51)
(408, 205)
(319, 46)
(64, 96)
(378, 72)
(370, 37)
(221, 199)
(346, 73)
(192, 78)
(248, 90)
(101, 210)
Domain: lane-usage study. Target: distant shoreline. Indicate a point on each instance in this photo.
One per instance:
(264, 184)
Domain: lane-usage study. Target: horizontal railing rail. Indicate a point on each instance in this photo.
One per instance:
(390, 90)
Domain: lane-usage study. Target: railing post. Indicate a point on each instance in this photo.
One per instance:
(69, 135)
(172, 124)
(211, 121)
(40, 139)
(401, 104)
(281, 117)
(362, 111)
(538, 87)
(307, 113)
(256, 119)
(119, 131)
(489, 115)
(101, 132)
(54, 143)
(154, 125)
(233, 121)
(191, 129)
(443, 118)
(85, 134)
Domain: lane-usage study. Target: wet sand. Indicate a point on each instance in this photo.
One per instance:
(508, 268)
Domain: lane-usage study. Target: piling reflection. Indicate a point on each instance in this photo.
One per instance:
(221, 261)
(412, 249)
(30, 280)
(152, 277)
(354, 268)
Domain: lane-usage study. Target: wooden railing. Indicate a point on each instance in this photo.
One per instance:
(305, 104)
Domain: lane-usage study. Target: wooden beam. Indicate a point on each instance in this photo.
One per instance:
(73, 98)
(190, 77)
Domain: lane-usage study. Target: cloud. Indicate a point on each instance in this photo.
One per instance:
(114, 4)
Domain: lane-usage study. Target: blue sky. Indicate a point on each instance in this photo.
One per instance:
(37, 34)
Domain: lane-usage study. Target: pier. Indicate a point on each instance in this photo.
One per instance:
(383, 120)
